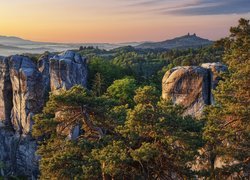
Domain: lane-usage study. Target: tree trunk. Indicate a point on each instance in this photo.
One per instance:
(212, 164)
(89, 123)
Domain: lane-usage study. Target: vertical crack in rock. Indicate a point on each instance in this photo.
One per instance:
(209, 87)
(20, 101)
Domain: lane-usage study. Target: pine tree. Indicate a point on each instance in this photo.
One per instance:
(97, 86)
(227, 133)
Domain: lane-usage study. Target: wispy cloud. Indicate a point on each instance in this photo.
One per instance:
(212, 7)
(189, 7)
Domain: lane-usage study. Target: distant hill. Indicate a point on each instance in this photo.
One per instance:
(15, 41)
(187, 41)
(10, 45)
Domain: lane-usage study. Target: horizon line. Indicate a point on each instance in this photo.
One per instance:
(105, 42)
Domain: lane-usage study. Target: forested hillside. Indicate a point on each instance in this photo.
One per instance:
(127, 131)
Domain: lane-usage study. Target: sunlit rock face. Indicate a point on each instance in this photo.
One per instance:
(187, 86)
(66, 70)
(24, 88)
(191, 86)
(27, 87)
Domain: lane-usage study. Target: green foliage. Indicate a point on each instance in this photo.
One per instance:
(147, 66)
(102, 73)
(97, 86)
(145, 152)
(227, 130)
(113, 158)
(122, 90)
(150, 140)
(128, 132)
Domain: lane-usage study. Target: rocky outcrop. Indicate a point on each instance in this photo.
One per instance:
(24, 85)
(43, 67)
(191, 86)
(17, 153)
(66, 70)
(6, 103)
(215, 69)
(28, 95)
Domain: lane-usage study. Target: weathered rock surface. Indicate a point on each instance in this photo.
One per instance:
(27, 87)
(43, 67)
(214, 69)
(191, 86)
(23, 88)
(187, 86)
(5, 92)
(66, 70)
(17, 154)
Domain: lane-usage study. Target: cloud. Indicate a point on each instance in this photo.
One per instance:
(212, 7)
(191, 7)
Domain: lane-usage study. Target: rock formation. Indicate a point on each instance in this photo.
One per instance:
(17, 153)
(5, 92)
(214, 70)
(66, 70)
(43, 67)
(28, 95)
(191, 86)
(24, 84)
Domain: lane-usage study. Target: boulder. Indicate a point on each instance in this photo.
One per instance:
(5, 92)
(66, 70)
(28, 95)
(191, 86)
(187, 86)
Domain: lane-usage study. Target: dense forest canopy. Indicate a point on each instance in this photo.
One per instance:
(129, 132)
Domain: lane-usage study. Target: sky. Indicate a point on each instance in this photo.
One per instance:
(119, 20)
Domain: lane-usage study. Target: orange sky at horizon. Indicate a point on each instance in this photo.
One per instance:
(65, 21)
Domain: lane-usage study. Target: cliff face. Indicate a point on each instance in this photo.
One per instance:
(23, 87)
(191, 86)
(6, 103)
(28, 95)
(66, 70)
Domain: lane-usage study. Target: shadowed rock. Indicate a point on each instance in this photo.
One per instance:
(18, 155)
(43, 67)
(5, 92)
(215, 70)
